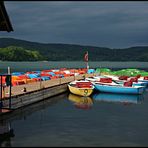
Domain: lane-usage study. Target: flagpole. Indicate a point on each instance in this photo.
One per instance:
(87, 66)
(86, 60)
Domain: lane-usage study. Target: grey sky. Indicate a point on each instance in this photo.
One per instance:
(98, 23)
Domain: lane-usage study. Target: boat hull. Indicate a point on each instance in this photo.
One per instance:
(81, 91)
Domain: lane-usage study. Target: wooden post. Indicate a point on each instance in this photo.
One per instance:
(40, 83)
(60, 79)
(10, 94)
(9, 87)
(1, 91)
(74, 75)
(9, 70)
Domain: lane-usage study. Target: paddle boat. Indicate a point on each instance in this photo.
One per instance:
(121, 98)
(81, 87)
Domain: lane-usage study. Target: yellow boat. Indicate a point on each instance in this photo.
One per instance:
(81, 88)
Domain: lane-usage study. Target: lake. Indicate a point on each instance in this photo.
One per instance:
(102, 119)
(28, 66)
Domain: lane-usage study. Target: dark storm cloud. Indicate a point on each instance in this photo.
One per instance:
(109, 24)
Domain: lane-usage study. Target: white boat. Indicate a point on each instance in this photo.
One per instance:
(140, 81)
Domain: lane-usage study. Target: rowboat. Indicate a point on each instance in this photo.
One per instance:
(135, 81)
(81, 88)
(119, 88)
(143, 80)
(80, 101)
(120, 98)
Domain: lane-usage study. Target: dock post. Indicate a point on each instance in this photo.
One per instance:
(1, 93)
(60, 80)
(9, 86)
(40, 83)
(10, 94)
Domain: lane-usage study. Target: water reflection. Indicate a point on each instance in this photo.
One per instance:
(54, 122)
(81, 102)
(25, 111)
(6, 132)
(122, 98)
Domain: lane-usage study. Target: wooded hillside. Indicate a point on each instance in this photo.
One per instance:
(20, 50)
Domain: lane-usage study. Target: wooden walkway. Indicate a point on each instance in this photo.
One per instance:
(16, 91)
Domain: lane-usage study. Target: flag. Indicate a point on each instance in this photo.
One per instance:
(86, 57)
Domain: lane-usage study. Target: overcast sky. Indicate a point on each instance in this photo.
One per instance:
(98, 23)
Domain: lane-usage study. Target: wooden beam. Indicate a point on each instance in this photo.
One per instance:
(5, 24)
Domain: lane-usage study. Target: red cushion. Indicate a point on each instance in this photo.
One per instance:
(84, 84)
(145, 77)
(123, 77)
(106, 80)
(134, 79)
(128, 83)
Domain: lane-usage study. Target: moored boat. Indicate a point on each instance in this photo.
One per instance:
(128, 89)
(81, 88)
(121, 80)
(143, 80)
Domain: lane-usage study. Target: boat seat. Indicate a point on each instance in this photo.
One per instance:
(123, 77)
(145, 77)
(133, 79)
(106, 80)
(128, 83)
(84, 84)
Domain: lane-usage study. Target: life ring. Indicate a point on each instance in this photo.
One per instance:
(85, 92)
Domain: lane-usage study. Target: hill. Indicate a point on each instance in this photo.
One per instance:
(70, 52)
(13, 53)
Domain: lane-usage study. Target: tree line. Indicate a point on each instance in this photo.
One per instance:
(20, 50)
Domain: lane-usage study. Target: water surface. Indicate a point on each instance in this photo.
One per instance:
(29, 66)
(59, 121)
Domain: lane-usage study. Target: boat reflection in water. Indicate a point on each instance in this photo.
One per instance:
(81, 102)
(121, 98)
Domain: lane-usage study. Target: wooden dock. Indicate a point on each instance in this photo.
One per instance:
(37, 91)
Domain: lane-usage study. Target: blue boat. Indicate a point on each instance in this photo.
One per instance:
(119, 88)
(122, 98)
